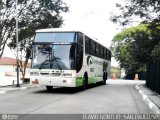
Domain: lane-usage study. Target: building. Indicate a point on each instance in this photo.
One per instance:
(8, 64)
(8, 73)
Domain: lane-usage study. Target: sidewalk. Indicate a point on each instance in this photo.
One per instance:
(7, 89)
(151, 98)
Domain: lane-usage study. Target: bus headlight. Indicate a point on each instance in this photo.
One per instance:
(69, 81)
(34, 73)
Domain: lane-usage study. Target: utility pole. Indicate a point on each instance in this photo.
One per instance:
(17, 44)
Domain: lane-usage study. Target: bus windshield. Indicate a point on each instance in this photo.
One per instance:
(49, 56)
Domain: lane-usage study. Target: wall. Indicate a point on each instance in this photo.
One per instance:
(153, 76)
(5, 80)
(7, 68)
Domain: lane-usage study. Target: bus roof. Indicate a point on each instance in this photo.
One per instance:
(56, 30)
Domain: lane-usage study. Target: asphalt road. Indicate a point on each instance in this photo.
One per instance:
(116, 97)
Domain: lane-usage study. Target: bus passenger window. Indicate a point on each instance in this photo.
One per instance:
(79, 58)
(80, 39)
(87, 45)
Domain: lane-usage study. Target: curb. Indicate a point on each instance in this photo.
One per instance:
(17, 89)
(2, 92)
(149, 102)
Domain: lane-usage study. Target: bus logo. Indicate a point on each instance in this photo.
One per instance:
(89, 60)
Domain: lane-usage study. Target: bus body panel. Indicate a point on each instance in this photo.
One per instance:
(94, 67)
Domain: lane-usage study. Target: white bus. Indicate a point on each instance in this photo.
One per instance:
(68, 59)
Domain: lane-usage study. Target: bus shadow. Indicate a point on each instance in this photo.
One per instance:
(59, 90)
(66, 90)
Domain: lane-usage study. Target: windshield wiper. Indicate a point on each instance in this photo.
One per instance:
(45, 63)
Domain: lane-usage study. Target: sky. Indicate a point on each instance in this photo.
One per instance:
(93, 18)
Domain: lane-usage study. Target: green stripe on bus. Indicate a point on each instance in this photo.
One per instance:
(79, 81)
(91, 80)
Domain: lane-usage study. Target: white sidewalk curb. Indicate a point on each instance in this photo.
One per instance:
(2, 92)
(23, 88)
(150, 104)
(17, 89)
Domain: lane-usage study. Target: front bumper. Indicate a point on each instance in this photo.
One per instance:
(54, 81)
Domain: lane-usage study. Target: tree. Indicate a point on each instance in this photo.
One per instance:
(139, 45)
(147, 10)
(116, 70)
(156, 52)
(133, 47)
(33, 14)
(7, 22)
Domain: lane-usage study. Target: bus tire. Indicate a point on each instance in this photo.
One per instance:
(104, 78)
(49, 88)
(85, 81)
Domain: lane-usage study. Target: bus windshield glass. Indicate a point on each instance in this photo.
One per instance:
(55, 37)
(49, 56)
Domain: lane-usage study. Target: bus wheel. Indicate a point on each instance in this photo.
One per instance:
(49, 88)
(104, 78)
(85, 82)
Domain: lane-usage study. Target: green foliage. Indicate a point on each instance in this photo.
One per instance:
(148, 10)
(116, 70)
(133, 46)
(7, 22)
(32, 15)
(156, 52)
(45, 15)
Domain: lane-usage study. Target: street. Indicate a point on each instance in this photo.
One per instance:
(117, 96)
